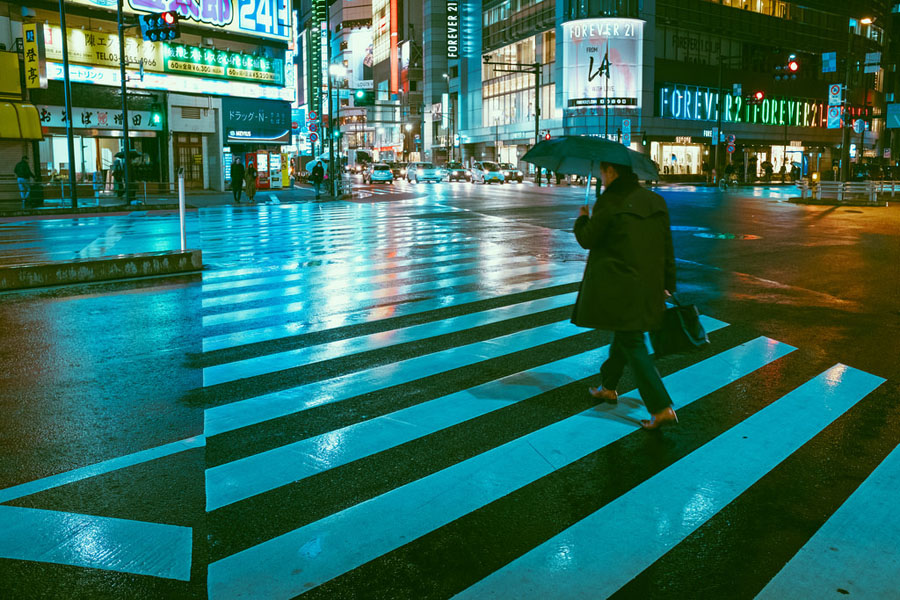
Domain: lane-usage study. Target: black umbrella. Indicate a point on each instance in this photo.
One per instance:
(582, 155)
(134, 153)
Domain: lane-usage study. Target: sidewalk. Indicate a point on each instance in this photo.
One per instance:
(55, 244)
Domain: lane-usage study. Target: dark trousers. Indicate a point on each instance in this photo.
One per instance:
(236, 188)
(628, 348)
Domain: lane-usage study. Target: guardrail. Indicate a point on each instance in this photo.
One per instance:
(844, 191)
(57, 194)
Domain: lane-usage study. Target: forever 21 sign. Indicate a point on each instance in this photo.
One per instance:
(452, 28)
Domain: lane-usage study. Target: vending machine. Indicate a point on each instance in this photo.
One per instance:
(261, 160)
(275, 170)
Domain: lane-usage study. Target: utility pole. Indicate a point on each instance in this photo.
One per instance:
(125, 144)
(531, 69)
(67, 88)
(845, 117)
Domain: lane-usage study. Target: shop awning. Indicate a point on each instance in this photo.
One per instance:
(19, 122)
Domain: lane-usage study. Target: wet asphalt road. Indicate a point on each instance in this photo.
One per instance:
(296, 295)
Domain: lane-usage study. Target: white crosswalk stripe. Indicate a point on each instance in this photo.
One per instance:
(423, 302)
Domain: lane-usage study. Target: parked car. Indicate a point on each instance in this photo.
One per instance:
(457, 172)
(423, 171)
(379, 173)
(486, 172)
(510, 173)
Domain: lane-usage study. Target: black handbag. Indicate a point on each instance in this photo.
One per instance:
(681, 330)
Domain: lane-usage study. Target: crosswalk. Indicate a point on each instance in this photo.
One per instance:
(389, 387)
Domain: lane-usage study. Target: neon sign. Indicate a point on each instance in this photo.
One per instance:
(692, 103)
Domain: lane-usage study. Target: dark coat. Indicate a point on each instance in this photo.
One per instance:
(631, 260)
(237, 175)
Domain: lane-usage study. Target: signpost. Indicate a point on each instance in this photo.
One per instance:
(834, 117)
(835, 94)
(626, 132)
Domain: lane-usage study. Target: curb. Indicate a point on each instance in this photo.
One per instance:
(88, 210)
(88, 270)
(834, 202)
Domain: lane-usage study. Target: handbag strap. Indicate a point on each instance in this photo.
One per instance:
(675, 300)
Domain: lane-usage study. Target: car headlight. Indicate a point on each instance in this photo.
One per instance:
(519, 173)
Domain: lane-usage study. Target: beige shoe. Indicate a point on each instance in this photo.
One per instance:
(601, 393)
(663, 418)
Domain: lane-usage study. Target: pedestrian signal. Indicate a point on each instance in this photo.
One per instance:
(160, 27)
(364, 98)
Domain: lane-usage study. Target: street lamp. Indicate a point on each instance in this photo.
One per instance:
(335, 71)
(449, 108)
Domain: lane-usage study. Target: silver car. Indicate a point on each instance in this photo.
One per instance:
(423, 171)
(486, 172)
(379, 173)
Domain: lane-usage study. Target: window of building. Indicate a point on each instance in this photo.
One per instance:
(549, 45)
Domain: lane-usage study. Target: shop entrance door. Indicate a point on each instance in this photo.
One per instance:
(189, 154)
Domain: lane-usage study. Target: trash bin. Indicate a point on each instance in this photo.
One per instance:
(35, 195)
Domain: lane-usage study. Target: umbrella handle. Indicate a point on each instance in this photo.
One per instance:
(587, 190)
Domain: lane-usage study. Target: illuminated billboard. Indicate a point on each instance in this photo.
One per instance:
(359, 42)
(602, 62)
(259, 18)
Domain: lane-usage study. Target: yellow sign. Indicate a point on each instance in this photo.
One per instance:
(102, 49)
(35, 61)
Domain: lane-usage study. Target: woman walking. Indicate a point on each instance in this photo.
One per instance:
(250, 176)
(630, 271)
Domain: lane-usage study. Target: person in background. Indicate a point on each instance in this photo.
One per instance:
(629, 274)
(237, 179)
(317, 175)
(250, 177)
(23, 177)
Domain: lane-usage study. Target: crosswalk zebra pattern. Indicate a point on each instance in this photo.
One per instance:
(398, 410)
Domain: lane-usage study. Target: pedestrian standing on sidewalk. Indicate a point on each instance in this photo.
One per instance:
(250, 177)
(237, 179)
(316, 176)
(630, 272)
(23, 178)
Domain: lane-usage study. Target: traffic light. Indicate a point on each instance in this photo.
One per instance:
(789, 70)
(547, 134)
(160, 27)
(364, 98)
(156, 114)
(336, 134)
(756, 97)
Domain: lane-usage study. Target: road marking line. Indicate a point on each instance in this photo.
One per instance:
(309, 308)
(288, 359)
(244, 413)
(253, 475)
(370, 315)
(598, 555)
(104, 543)
(282, 567)
(856, 552)
(101, 468)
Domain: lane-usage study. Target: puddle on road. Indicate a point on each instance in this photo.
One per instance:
(728, 236)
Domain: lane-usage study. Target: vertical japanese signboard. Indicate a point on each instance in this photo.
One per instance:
(601, 63)
(35, 61)
(452, 29)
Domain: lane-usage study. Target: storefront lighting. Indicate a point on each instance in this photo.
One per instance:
(867, 21)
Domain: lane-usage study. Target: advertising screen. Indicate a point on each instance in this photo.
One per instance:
(601, 64)
(362, 59)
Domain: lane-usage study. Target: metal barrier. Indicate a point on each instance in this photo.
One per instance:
(841, 190)
(57, 194)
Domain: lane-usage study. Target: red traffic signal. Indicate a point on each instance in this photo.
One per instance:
(759, 95)
(170, 17)
(547, 135)
(793, 66)
(160, 27)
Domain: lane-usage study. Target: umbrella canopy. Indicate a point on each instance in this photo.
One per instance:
(582, 155)
(134, 153)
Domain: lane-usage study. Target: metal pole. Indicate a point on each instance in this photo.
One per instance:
(845, 131)
(125, 144)
(537, 114)
(331, 119)
(718, 132)
(181, 208)
(606, 90)
(67, 87)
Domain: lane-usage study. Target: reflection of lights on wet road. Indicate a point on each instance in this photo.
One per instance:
(727, 236)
